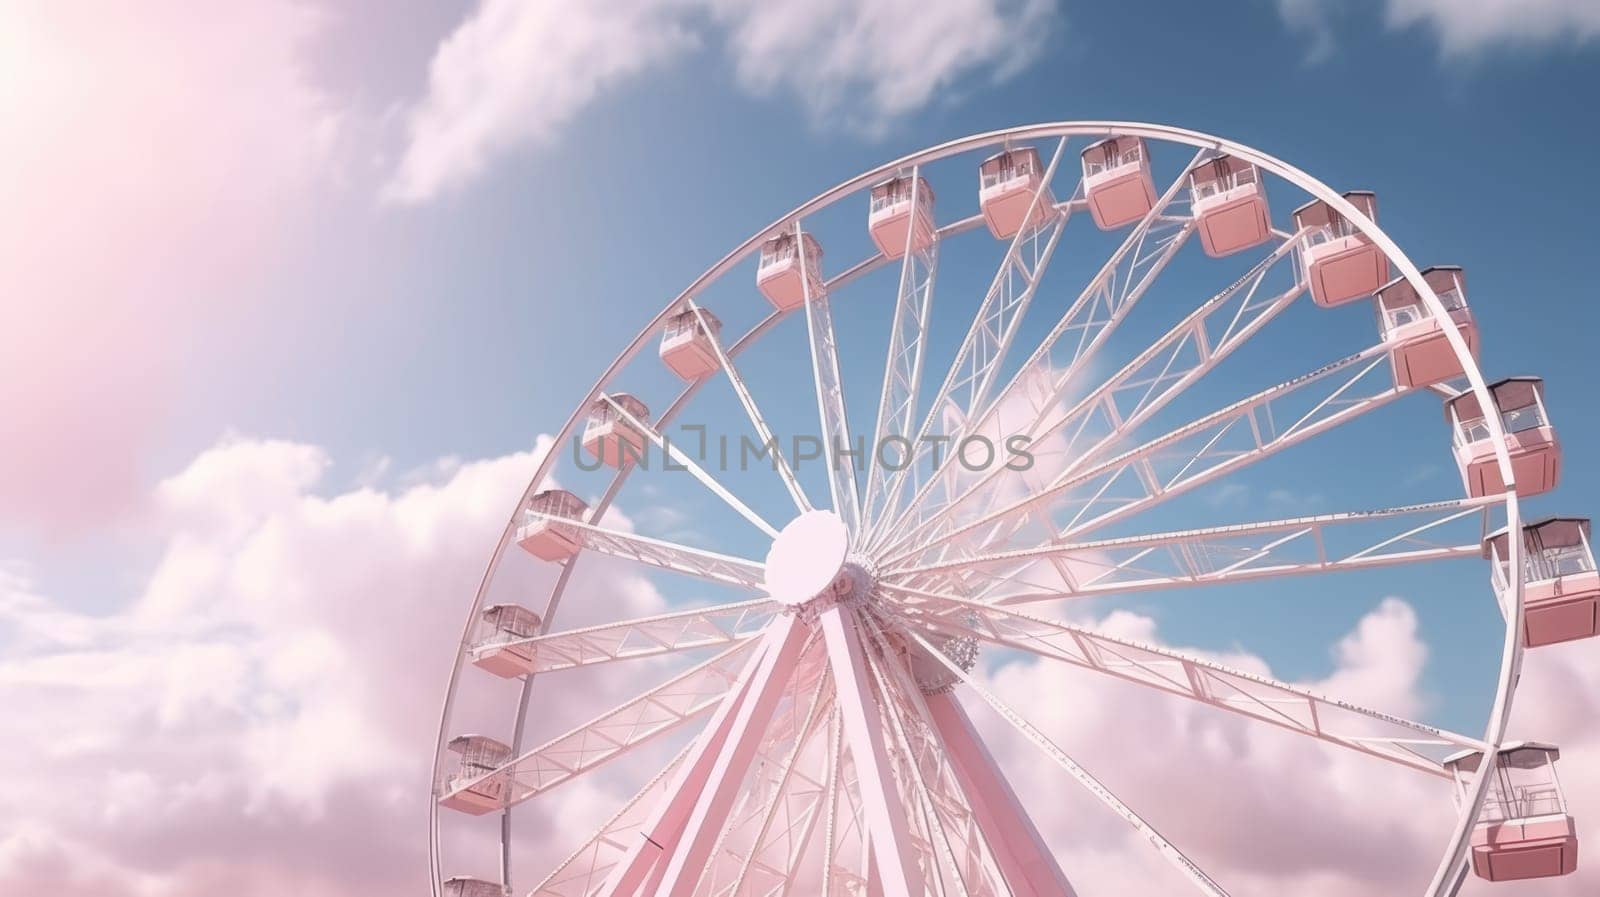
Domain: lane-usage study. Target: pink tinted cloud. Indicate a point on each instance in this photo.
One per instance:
(256, 718)
(1265, 811)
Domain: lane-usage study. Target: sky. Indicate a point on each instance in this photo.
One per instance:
(293, 294)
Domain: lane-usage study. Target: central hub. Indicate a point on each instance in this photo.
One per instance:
(811, 559)
(807, 558)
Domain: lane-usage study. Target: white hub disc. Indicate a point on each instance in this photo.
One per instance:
(806, 557)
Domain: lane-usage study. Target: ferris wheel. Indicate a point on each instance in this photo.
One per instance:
(1018, 447)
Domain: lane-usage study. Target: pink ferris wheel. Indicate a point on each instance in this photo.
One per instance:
(814, 732)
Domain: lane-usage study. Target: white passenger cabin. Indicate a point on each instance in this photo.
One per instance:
(475, 787)
(687, 347)
(1560, 585)
(1229, 202)
(785, 275)
(500, 645)
(1007, 184)
(1117, 181)
(542, 533)
(609, 435)
(1421, 354)
(1524, 830)
(1342, 264)
(1530, 439)
(901, 207)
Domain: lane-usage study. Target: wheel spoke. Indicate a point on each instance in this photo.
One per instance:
(902, 376)
(684, 630)
(1168, 851)
(1262, 698)
(757, 421)
(778, 803)
(1191, 455)
(1091, 319)
(1296, 546)
(585, 868)
(830, 402)
(685, 462)
(1141, 388)
(616, 731)
(972, 374)
(695, 562)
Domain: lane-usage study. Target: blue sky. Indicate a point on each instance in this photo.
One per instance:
(463, 322)
(303, 252)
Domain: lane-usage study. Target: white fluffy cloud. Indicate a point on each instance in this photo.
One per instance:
(1463, 27)
(1263, 810)
(255, 716)
(513, 73)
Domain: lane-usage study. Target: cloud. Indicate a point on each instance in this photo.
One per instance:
(256, 715)
(868, 64)
(1468, 26)
(512, 74)
(1462, 27)
(1262, 810)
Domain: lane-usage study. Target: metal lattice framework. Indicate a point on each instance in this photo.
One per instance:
(819, 742)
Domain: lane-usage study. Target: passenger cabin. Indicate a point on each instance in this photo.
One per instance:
(1524, 830)
(501, 643)
(901, 210)
(1341, 263)
(1007, 184)
(1560, 585)
(462, 886)
(781, 269)
(1530, 440)
(542, 534)
(1229, 202)
(609, 435)
(689, 348)
(1422, 355)
(1117, 181)
(475, 787)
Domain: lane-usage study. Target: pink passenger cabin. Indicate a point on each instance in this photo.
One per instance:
(500, 645)
(895, 213)
(781, 269)
(1341, 263)
(475, 787)
(542, 534)
(1530, 440)
(1117, 181)
(463, 886)
(1422, 355)
(1230, 203)
(1007, 182)
(1524, 830)
(609, 435)
(1560, 585)
(687, 347)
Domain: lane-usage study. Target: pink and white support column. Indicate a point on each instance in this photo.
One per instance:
(686, 862)
(642, 866)
(1026, 861)
(892, 858)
